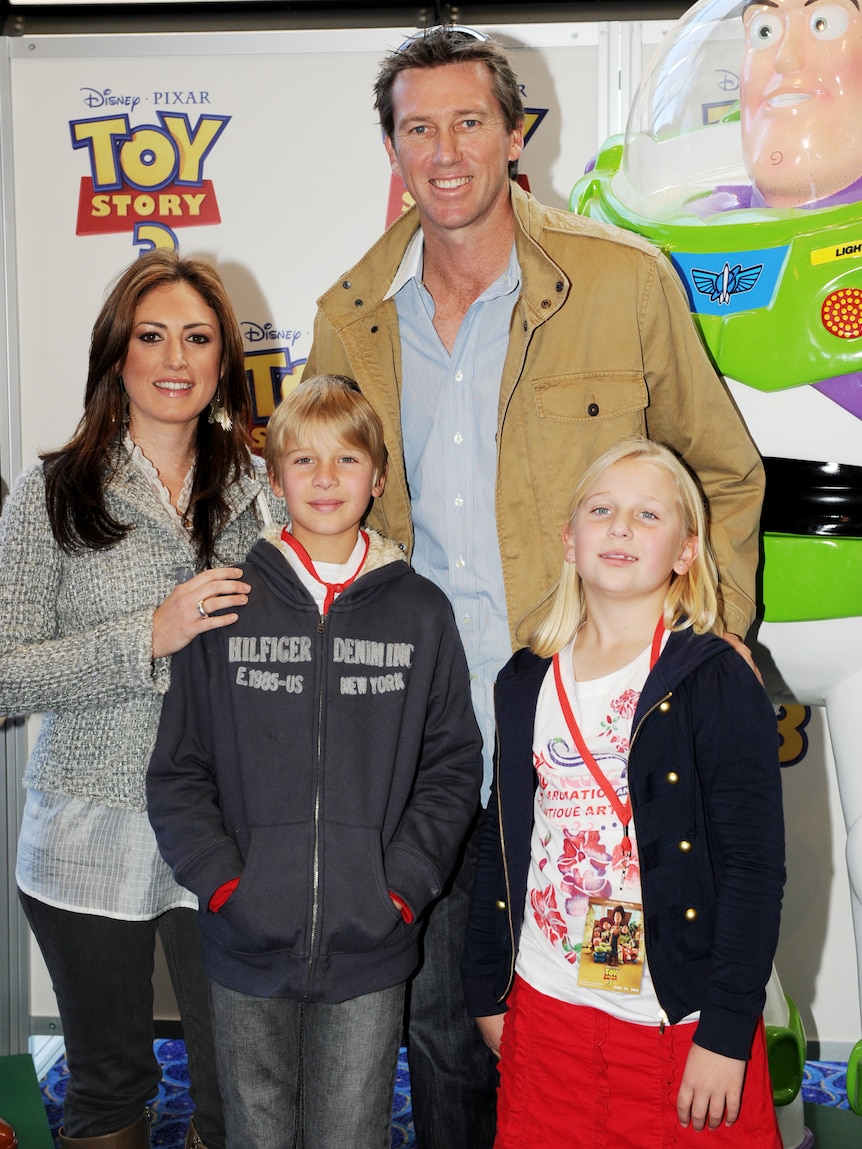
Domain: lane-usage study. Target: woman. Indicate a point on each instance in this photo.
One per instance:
(99, 545)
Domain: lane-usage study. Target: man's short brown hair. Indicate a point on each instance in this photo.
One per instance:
(449, 45)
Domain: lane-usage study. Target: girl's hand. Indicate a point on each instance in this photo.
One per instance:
(181, 616)
(711, 1087)
(491, 1029)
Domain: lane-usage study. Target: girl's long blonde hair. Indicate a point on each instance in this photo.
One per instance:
(692, 598)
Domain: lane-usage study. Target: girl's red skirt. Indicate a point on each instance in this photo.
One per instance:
(575, 1076)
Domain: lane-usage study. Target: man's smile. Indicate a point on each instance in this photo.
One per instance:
(457, 182)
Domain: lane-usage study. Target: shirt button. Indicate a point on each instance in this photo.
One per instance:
(460, 563)
(458, 437)
(672, 777)
(685, 846)
(465, 619)
(691, 914)
(459, 375)
(459, 500)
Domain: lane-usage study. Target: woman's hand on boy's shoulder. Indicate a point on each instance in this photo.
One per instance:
(711, 1089)
(192, 607)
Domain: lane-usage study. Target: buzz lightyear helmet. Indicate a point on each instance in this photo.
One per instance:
(748, 174)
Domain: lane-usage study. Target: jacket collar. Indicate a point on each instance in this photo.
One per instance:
(381, 550)
(544, 284)
(128, 484)
(684, 652)
(244, 491)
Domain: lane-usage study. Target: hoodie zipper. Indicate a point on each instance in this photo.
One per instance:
(315, 865)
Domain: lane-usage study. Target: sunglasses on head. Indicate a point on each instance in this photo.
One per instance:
(448, 29)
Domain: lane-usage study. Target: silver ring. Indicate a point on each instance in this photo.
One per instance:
(200, 605)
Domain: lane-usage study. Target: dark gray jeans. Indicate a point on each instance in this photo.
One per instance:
(453, 1074)
(307, 1075)
(101, 970)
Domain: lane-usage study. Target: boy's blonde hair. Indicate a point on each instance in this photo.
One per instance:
(692, 598)
(332, 404)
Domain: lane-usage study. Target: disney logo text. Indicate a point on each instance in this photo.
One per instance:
(93, 98)
(255, 332)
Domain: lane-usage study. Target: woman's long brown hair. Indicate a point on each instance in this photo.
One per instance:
(76, 474)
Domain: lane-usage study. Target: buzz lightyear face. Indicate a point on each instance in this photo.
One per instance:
(800, 94)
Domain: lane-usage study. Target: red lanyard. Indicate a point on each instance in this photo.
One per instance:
(332, 588)
(623, 810)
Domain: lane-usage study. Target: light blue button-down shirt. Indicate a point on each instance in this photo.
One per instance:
(449, 422)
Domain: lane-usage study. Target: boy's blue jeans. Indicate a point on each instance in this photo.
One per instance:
(307, 1075)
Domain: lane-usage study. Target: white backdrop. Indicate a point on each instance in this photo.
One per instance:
(295, 171)
(277, 134)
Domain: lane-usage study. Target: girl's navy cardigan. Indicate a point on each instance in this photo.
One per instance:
(706, 799)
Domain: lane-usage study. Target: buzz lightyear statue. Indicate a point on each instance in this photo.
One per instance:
(743, 160)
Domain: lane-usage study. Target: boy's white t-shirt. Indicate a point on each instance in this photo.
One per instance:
(578, 870)
(328, 572)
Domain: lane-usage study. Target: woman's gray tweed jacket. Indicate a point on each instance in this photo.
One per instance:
(76, 630)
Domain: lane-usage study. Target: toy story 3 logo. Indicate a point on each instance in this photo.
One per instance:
(271, 372)
(148, 180)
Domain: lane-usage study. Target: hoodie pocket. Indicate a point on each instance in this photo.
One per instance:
(270, 909)
(357, 913)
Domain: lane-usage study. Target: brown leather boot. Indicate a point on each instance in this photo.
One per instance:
(135, 1136)
(8, 1139)
(193, 1140)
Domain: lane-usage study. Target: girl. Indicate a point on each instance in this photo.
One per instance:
(637, 777)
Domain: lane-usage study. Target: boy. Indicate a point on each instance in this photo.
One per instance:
(316, 769)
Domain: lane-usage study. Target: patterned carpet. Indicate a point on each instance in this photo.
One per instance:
(825, 1083)
(172, 1105)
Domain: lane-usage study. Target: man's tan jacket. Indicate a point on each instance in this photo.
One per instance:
(602, 346)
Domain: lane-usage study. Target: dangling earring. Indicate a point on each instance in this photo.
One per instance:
(218, 413)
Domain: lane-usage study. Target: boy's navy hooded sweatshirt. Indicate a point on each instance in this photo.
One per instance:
(324, 762)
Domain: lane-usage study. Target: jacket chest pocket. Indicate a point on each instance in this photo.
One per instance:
(579, 416)
(590, 399)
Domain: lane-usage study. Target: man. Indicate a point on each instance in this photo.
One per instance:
(506, 345)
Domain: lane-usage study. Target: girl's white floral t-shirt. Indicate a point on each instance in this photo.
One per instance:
(583, 939)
